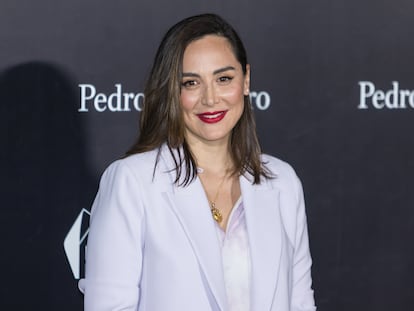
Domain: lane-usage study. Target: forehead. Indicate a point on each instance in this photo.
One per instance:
(207, 50)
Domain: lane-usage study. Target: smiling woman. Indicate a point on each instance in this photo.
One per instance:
(213, 90)
(195, 217)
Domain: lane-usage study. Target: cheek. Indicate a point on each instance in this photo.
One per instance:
(234, 95)
(188, 100)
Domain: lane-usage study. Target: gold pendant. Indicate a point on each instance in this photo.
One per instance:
(216, 213)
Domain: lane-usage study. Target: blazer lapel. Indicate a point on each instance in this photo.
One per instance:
(191, 207)
(261, 203)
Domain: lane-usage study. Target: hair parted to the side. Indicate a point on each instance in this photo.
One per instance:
(162, 118)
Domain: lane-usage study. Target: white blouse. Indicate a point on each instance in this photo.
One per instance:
(236, 259)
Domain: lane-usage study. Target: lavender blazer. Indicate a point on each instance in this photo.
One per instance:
(152, 245)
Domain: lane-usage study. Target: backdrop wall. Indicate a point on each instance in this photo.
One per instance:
(333, 94)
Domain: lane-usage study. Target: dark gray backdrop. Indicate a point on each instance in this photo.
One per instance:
(309, 57)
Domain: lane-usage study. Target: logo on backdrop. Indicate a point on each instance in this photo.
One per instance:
(119, 100)
(75, 243)
(370, 97)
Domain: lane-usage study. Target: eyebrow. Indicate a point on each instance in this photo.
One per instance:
(191, 74)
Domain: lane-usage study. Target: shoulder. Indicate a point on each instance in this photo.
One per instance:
(278, 167)
(138, 166)
(284, 176)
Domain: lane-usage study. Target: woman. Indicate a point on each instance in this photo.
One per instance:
(194, 217)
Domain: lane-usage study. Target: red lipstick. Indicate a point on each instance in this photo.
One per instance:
(212, 117)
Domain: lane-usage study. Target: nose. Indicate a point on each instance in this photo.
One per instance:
(209, 96)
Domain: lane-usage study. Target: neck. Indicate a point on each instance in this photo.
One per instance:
(214, 158)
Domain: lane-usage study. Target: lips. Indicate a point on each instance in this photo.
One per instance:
(212, 117)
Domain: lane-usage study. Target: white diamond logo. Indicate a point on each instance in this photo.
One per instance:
(74, 240)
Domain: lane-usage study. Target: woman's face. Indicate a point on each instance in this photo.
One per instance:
(213, 87)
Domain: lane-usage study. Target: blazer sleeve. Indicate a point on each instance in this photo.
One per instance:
(302, 293)
(114, 248)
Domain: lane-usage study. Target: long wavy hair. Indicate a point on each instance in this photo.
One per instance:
(162, 118)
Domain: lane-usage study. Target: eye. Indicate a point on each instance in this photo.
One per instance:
(224, 79)
(189, 84)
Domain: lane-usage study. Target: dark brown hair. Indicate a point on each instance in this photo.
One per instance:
(162, 119)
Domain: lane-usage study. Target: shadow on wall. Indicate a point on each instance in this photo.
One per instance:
(44, 184)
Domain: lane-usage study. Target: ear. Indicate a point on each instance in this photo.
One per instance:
(246, 88)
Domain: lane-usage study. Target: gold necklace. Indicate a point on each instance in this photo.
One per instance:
(215, 212)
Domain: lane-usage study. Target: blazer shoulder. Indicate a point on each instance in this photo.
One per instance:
(140, 165)
(284, 176)
(278, 167)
